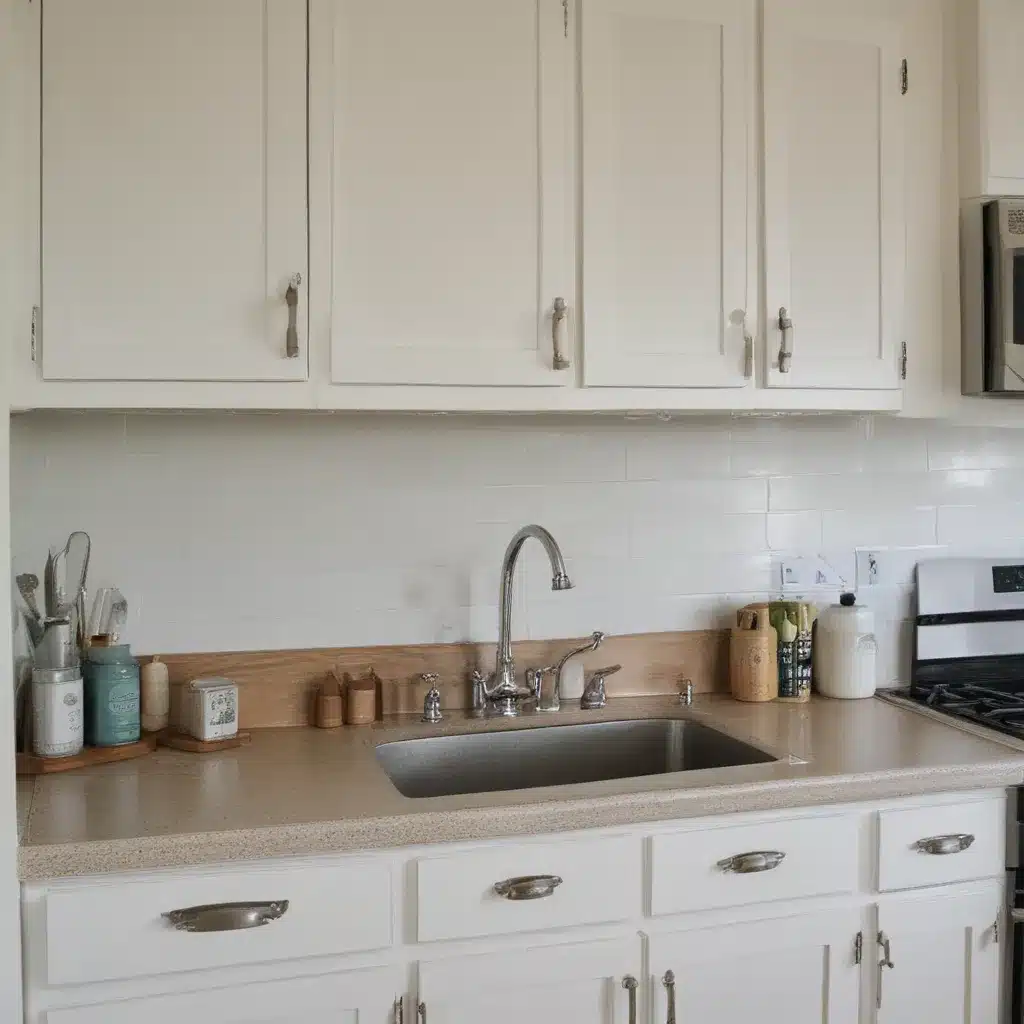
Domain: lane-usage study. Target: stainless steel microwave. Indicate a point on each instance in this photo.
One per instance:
(993, 298)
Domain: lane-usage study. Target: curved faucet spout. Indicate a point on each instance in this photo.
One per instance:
(505, 675)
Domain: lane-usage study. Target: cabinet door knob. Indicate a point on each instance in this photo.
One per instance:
(786, 346)
(942, 846)
(559, 335)
(226, 917)
(291, 298)
(751, 863)
(528, 887)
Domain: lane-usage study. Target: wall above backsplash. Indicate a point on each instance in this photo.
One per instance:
(275, 531)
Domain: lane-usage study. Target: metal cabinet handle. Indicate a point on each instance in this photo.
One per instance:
(291, 338)
(629, 983)
(886, 961)
(786, 347)
(559, 332)
(750, 863)
(400, 1010)
(528, 887)
(226, 917)
(942, 846)
(669, 981)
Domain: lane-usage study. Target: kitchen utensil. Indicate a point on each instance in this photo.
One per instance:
(845, 649)
(100, 611)
(77, 552)
(49, 587)
(28, 584)
(118, 615)
(753, 656)
(56, 648)
(60, 583)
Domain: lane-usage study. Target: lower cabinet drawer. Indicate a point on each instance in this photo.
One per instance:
(98, 932)
(941, 844)
(583, 881)
(774, 860)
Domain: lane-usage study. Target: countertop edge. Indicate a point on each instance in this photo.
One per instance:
(37, 864)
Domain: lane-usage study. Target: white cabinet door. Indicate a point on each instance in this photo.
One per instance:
(541, 985)
(667, 110)
(794, 970)
(452, 182)
(835, 245)
(945, 956)
(358, 997)
(173, 188)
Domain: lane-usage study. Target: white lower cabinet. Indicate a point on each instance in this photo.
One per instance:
(353, 997)
(580, 981)
(790, 970)
(943, 957)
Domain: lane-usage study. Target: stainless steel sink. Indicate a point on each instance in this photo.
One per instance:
(562, 755)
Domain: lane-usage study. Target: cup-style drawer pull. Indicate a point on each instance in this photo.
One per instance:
(528, 887)
(226, 917)
(750, 863)
(941, 846)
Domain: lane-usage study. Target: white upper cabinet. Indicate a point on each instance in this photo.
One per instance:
(793, 970)
(835, 246)
(944, 953)
(991, 40)
(452, 228)
(173, 189)
(667, 173)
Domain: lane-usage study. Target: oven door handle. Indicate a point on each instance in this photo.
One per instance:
(1016, 916)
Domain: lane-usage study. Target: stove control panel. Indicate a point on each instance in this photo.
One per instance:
(1008, 579)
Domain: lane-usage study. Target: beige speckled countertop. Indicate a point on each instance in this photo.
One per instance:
(308, 791)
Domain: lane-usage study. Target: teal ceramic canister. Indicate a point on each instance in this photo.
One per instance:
(111, 680)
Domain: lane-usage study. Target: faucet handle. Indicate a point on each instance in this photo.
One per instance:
(432, 701)
(594, 696)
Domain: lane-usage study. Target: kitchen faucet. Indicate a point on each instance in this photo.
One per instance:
(504, 694)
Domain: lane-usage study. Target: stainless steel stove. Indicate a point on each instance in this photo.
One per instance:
(969, 665)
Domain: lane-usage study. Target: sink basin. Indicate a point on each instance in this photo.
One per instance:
(561, 755)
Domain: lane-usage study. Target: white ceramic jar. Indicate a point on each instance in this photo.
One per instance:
(58, 725)
(845, 651)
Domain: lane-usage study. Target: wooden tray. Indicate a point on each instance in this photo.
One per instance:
(29, 764)
(182, 741)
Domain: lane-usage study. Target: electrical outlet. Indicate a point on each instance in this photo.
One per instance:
(869, 569)
(809, 574)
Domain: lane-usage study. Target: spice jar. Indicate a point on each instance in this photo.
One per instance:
(111, 682)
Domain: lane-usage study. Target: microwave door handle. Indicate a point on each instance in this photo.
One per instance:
(1007, 300)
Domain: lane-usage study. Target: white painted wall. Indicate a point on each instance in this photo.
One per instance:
(254, 531)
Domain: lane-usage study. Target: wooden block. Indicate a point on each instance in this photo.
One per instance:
(182, 741)
(29, 764)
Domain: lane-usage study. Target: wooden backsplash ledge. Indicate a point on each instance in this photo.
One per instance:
(276, 687)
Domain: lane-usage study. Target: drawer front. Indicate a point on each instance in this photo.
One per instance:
(99, 932)
(711, 868)
(936, 845)
(600, 882)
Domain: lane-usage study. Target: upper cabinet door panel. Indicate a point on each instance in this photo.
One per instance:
(835, 245)
(173, 188)
(667, 168)
(452, 184)
(1002, 34)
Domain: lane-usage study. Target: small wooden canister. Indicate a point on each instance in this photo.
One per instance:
(361, 700)
(328, 710)
(753, 656)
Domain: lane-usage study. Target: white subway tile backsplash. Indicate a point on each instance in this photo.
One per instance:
(246, 531)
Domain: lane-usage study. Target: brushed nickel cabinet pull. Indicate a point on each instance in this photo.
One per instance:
(226, 917)
(291, 338)
(559, 332)
(786, 348)
(669, 981)
(885, 962)
(942, 846)
(751, 863)
(629, 983)
(528, 887)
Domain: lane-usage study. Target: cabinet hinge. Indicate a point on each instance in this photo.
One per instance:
(995, 932)
(35, 332)
(858, 948)
(565, 17)
(903, 361)
(904, 77)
